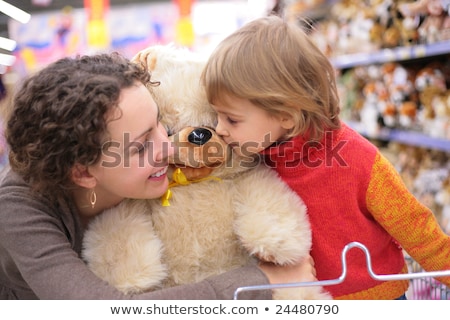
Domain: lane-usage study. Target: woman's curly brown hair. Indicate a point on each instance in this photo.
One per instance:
(60, 116)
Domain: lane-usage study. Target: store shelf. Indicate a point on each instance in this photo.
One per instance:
(412, 138)
(388, 55)
(409, 137)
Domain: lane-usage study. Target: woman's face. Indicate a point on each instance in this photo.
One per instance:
(134, 159)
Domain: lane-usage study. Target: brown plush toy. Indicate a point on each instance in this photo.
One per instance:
(222, 212)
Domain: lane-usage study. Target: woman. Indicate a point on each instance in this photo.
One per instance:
(83, 135)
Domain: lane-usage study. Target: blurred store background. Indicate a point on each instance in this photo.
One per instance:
(63, 27)
(34, 33)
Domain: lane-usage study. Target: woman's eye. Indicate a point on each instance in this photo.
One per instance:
(144, 145)
(141, 150)
(169, 131)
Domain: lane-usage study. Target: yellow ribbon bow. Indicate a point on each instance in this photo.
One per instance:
(179, 179)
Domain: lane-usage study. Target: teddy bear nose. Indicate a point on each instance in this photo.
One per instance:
(199, 136)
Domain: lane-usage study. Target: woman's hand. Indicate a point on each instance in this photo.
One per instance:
(303, 271)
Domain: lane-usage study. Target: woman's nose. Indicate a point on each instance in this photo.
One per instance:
(166, 151)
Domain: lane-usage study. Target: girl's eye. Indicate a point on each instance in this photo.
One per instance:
(231, 121)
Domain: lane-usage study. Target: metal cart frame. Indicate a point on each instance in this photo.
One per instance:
(425, 288)
(417, 277)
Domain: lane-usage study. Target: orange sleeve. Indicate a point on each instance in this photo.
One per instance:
(408, 221)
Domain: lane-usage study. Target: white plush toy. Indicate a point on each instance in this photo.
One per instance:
(224, 212)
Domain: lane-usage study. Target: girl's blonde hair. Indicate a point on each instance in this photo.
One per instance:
(275, 65)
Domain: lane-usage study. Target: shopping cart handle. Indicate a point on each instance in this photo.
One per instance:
(351, 245)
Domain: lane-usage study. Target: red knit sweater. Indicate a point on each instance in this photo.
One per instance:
(354, 194)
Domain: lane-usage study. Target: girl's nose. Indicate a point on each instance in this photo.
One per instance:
(220, 129)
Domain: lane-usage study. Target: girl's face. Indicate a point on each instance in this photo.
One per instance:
(247, 128)
(134, 159)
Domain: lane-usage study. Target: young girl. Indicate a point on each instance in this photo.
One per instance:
(275, 94)
(83, 135)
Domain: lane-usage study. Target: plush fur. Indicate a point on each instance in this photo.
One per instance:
(232, 212)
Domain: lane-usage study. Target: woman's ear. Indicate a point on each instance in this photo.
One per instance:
(81, 177)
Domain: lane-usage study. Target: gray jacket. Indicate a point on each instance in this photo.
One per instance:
(40, 246)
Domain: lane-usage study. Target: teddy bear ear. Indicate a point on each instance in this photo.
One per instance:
(146, 58)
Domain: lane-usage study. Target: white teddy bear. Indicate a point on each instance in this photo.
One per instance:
(228, 212)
